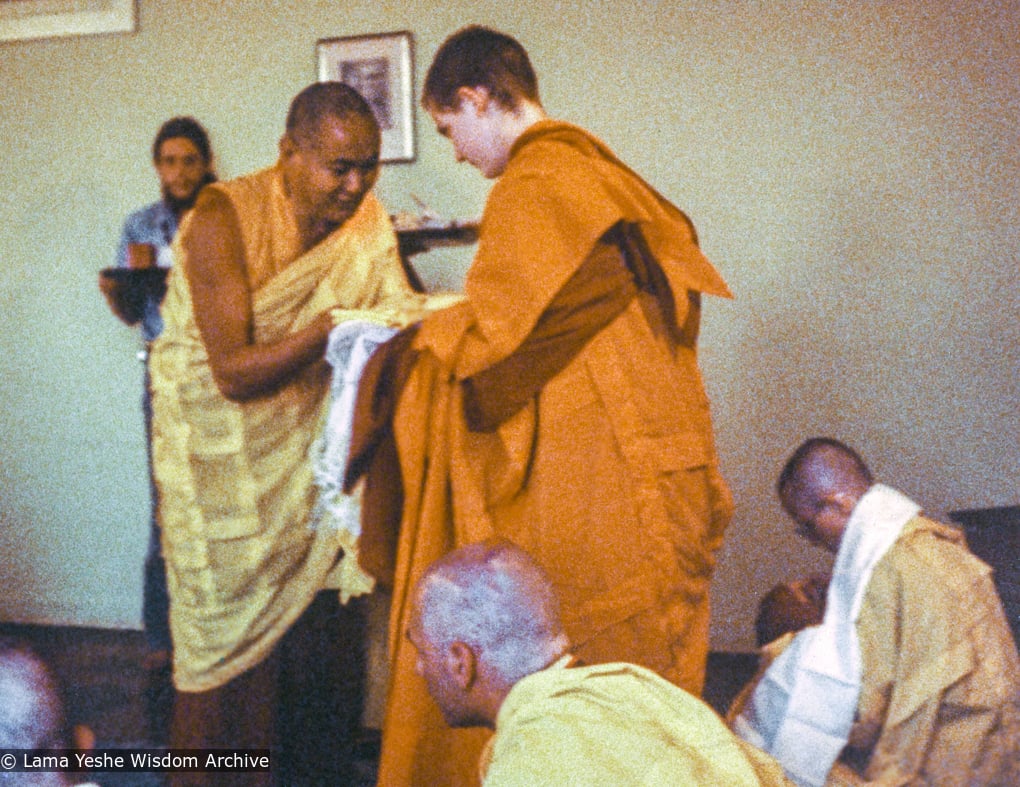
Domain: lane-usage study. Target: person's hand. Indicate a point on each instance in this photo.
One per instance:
(813, 589)
(791, 606)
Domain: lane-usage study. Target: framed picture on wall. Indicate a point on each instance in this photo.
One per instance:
(380, 67)
(27, 19)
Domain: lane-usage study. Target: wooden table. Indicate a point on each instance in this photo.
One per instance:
(422, 239)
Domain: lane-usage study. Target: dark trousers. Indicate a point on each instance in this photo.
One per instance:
(155, 599)
(304, 703)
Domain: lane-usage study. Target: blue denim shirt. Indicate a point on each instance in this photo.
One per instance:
(155, 224)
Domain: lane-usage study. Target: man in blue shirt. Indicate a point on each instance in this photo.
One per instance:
(182, 157)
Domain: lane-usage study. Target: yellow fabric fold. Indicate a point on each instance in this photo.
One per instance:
(940, 693)
(235, 480)
(940, 680)
(616, 724)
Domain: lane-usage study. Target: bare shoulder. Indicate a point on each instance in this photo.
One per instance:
(212, 237)
(213, 206)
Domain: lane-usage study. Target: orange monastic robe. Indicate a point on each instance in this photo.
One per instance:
(607, 474)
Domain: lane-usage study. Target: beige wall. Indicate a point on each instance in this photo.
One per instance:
(853, 173)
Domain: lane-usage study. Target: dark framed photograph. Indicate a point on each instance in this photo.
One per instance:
(380, 67)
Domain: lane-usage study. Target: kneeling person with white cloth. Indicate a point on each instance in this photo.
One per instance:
(913, 676)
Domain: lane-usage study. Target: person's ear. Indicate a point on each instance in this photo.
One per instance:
(287, 146)
(462, 665)
(843, 501)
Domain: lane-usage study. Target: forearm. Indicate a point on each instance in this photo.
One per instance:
(243, 365)
(253, 370)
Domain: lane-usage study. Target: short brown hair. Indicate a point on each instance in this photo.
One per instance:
(475, 57)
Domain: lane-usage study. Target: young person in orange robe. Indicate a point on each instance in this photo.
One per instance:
(560, 405)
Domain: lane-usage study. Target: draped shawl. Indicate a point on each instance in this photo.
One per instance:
(235, 481)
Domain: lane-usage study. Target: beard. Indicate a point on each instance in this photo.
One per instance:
(180, 205)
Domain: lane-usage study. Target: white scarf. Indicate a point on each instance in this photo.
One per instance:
(350, 346)
(803, 708)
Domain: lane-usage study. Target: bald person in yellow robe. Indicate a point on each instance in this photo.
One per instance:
(912, 677)
(492, 649)
(560, 405)
(264, 653)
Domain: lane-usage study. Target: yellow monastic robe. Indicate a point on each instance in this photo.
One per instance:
(940, 674)
(616, 724)
(607, 475)
(235, 481)
(940, 688)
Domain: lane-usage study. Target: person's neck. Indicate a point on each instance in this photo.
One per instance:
(178, 207)
(314, 232)
(496, 691)
(524, 116)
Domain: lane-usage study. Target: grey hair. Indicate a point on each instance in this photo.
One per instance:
(31, 705)
(495, 598)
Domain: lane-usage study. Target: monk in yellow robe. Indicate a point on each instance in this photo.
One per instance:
(492, 649)
(913, 627)
(560, 405)
(264, 653)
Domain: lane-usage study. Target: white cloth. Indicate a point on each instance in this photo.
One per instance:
(350, 346)
(803, 708)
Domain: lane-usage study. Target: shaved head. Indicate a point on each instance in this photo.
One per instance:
(322, 100)
(823, 466)
(497, 599)
(820, 487)
(31, 708)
